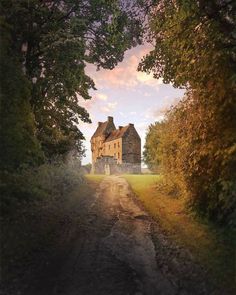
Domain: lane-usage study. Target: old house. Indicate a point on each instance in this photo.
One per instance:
(115, 150)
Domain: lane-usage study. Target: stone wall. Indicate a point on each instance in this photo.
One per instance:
(108, 165)
(104, 165)
(131, 147)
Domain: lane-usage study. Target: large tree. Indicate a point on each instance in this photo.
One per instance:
(195, 47)
(53, 41)
(194, 42)
(18, 142)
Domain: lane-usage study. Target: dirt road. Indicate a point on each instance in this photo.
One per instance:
(118, 253)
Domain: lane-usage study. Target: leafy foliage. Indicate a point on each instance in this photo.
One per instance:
(151, 153)
(18, 142)
(197, 157)
(52, 42)
(195, 48)
(39, 206)
(194, 41)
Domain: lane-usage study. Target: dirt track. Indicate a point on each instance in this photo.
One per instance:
(120, 250)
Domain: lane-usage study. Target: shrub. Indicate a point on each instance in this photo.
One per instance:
(36, 213)
(197, 154)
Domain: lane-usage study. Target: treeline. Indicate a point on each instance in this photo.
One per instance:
(195, 145)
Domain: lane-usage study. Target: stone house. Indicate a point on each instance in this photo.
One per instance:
(115, 150)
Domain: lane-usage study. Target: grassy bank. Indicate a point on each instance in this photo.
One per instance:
(212, 247)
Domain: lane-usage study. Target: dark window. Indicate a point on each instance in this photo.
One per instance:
(118, 144)
(118, 155)
(114, 145)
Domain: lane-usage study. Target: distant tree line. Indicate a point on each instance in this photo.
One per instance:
(195, 145)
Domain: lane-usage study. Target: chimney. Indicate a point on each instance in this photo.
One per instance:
(120, 127)
(99, 123)
(130, 124)
(110, 119)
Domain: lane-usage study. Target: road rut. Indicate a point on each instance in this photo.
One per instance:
(119, 250)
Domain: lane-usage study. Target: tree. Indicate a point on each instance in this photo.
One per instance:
(53, 41)
(195, 48)
(194, 41)
(151, 153)
(18, 142)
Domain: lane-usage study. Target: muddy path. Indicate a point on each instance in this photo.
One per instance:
(120, 250)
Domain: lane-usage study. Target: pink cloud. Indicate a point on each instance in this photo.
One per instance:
(108, 107)
(96, 99)
(125, 74)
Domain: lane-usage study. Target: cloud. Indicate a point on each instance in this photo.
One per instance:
(125, 75)
(158, 113)
(122, 114)
(88, 126)
(108, 107)
(101, 96)
(96, 99)
(148, 79)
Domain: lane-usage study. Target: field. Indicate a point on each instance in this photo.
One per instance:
(213, 247)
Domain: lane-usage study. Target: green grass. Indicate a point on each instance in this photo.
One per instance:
(212, 247)
(94, 178)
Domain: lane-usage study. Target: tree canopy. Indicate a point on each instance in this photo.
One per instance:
(195, 48)
(194, 42)
(52, 42)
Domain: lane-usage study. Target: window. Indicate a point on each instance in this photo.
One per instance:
(114, 145)
(109, 147)
(118, 144)
(118, 155)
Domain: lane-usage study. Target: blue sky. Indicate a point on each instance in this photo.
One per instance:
(127, 95)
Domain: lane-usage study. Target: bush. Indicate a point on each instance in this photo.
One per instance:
(197, 154)
(36, 211)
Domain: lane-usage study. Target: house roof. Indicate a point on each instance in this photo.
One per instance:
(118, 133)
(100, 129)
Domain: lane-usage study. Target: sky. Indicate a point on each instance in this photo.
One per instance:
(127, 95)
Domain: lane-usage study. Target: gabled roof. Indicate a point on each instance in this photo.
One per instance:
(100, 129)
(118, 133)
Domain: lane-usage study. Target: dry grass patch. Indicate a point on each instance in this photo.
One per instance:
(212, 247)
(94, 179)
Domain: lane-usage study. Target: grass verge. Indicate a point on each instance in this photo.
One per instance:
(212, 247)
(94, 179)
